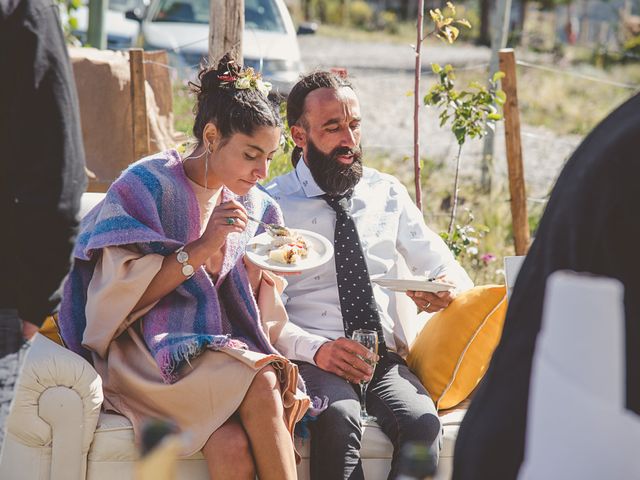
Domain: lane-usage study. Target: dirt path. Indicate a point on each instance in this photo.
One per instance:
(383, 76)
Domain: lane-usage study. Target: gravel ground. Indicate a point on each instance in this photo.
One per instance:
(383, 76)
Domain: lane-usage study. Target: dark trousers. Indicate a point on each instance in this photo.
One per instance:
(404, 410)
(10, 332)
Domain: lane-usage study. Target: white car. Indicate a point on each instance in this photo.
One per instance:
(122, 33)
(181, 27)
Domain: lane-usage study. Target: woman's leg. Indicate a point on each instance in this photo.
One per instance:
(228, 453)
(261, 414)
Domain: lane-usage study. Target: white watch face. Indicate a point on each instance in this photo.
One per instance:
(187, 270)
(182, 256)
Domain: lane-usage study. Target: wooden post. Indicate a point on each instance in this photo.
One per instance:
(346, 10)
(416, 108)
(96, 32)
(139, 123)
(226, 25)
(502, 19)
(585, 33)
(603, 34)
(514, 153)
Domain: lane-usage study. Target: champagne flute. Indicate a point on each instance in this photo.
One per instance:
(369, 339)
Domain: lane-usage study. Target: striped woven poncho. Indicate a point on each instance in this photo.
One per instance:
(151, 208)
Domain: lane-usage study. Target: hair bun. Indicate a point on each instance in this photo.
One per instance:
(234, 98)
(228, 66)
(210, 78)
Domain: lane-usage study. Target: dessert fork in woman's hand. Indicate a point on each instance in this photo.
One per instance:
(273, 228)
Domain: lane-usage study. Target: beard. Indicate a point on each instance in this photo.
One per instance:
(333, 177)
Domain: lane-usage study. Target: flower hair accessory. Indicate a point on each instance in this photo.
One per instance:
(247, 79)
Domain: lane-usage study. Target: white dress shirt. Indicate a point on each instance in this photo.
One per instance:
(396, 244)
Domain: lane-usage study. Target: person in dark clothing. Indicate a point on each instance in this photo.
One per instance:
(591, 224)
(42, 173)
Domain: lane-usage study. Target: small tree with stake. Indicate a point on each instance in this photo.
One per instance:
(470, 114)
(444, 28)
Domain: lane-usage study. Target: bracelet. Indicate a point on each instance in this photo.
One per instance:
(183, 259)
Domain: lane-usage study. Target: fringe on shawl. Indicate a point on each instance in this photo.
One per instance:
(171, 360)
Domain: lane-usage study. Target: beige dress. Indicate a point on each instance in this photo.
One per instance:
(212, 387)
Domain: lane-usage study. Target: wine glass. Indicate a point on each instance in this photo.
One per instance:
(369, 339)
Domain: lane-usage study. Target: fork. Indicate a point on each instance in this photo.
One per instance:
(272, 228)
(433, 275)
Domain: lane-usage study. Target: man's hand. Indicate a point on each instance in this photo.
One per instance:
(433, 302)
(343, 358)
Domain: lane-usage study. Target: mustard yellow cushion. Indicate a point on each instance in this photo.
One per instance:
(453, 350)
(50, 329)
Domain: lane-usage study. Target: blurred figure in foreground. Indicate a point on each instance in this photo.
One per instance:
(590, 224)
(42, 174)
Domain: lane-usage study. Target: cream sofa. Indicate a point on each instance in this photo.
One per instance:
(57, 430)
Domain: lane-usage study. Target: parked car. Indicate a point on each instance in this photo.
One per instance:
(122, 33)
(181, 27)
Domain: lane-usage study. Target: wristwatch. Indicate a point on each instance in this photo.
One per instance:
(183, 259)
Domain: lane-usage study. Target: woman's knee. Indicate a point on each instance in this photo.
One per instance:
(264, 392)
(266, 380)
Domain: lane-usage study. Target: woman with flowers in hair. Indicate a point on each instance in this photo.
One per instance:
(163, 303)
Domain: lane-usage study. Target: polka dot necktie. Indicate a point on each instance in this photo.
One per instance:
(358, 305)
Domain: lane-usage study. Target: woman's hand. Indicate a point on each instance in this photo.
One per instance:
(226, 218)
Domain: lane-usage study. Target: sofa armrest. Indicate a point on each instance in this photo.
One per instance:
(57, 401)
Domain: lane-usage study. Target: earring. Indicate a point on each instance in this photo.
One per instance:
(206, 165)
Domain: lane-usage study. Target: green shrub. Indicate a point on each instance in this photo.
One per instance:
(334, 13)
(471, 14)
(388, 21)
(631, 48)
(280, 165)
(360, 14)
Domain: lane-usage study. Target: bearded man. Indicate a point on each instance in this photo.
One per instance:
(377, 232)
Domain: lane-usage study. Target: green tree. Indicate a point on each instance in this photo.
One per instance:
(470, 113)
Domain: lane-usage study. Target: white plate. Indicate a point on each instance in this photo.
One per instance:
(320, 252)
(402, 285)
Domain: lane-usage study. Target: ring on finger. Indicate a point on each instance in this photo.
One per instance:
(427, 305)
(231, 220)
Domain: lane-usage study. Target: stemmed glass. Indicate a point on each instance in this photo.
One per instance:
(369, 339)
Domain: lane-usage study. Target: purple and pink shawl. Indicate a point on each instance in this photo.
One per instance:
(152, 208)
